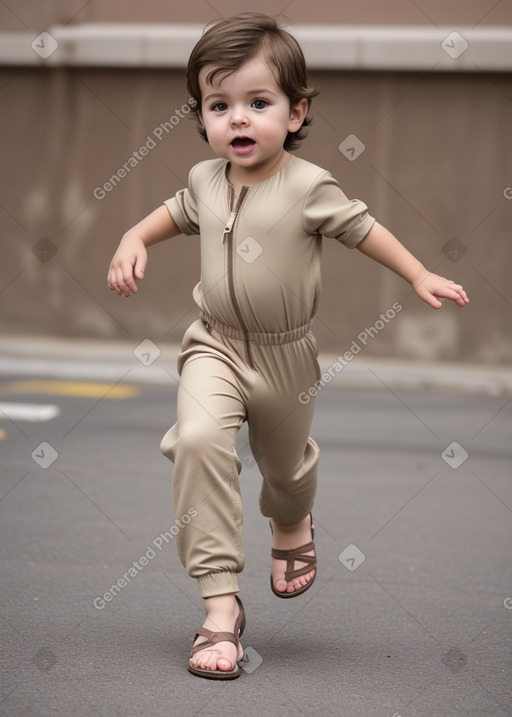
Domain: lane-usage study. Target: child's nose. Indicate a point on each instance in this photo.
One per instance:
(239, 116)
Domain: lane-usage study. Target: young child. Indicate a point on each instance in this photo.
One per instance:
(261, 214)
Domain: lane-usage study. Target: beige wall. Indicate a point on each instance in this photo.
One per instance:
(437, 165)
(39, 14)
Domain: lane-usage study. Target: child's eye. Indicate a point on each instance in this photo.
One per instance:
(219, 107)
(259, 104)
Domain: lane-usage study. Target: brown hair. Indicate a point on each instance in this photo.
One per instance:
(228, 43)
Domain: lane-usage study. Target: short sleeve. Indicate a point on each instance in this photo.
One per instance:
(183, 208)
(327, 211)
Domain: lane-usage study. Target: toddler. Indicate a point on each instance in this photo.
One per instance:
(261, 214)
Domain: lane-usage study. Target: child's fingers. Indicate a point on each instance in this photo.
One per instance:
(112, 281)
(461, 299)
(126, 280)
(451, 291)
(140, 266)
(128, 264)
(433, 291)
(428, 295)
(455, 292)
(121, 279)
(432, 300)
(462, 294)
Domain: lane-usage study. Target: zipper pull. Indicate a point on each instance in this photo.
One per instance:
(229, 225)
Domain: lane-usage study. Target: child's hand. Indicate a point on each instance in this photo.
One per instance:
(431, 288)
(127, 265)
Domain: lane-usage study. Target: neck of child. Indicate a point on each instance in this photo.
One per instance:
(247, 176)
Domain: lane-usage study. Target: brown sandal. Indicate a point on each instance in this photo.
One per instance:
(213, 639)
(291, 556)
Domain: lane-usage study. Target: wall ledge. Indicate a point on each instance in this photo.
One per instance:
(326, 47)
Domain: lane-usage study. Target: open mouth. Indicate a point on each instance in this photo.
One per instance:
(242, 145)
(242, 142)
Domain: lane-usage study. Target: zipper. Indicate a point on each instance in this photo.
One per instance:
(229, 225)
(228, 234)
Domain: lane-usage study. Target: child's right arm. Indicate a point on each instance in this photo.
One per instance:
(131, 257)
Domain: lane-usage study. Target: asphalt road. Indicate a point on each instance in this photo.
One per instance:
(411, 612)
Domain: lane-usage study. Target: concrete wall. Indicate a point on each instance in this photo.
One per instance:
(39, 14)
(436, 170)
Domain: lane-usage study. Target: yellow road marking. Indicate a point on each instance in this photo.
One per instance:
(2, 434)
(80, 389)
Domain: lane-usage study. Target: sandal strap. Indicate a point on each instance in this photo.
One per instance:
(292, 574)
(296, 554)
(283, 554)
(213, 639)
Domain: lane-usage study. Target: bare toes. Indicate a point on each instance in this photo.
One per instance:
(224, 664)
(281, 586)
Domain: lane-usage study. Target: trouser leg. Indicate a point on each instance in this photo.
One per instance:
(202, 446)
(279, 426)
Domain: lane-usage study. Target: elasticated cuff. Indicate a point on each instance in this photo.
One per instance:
(218, 583)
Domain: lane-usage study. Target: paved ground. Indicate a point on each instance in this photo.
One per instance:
(411, 613)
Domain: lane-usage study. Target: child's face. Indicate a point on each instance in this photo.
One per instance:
(247, 116)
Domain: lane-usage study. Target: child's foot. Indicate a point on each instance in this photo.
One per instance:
(287, 537)
(221, 614)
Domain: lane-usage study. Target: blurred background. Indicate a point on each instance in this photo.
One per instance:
(414, 117)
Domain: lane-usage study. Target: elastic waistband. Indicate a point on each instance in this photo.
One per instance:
(264, 339)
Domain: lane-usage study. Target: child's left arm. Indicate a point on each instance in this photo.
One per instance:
(381, 245)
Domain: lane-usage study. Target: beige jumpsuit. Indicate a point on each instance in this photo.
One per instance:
(251, 354)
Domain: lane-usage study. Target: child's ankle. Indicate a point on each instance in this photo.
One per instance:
(220, 604)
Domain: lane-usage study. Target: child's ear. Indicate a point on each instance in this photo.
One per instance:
(298, 115)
